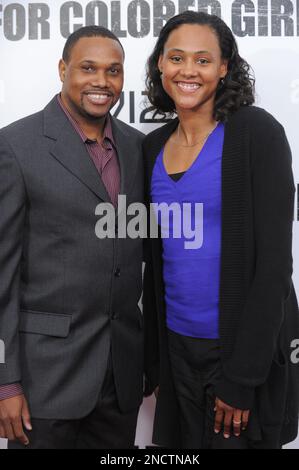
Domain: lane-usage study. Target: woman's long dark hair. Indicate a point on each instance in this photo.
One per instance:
(235, 91)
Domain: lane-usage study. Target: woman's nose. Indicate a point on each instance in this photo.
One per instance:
(189, 69)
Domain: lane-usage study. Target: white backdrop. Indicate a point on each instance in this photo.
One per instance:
(32, 36)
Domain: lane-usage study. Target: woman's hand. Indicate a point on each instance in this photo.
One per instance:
(228, 417)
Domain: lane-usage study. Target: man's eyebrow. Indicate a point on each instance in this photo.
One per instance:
(92, 62)
(88, 61)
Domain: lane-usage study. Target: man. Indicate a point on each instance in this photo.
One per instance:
(69, 316)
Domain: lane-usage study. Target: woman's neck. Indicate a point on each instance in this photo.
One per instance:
(195, 124)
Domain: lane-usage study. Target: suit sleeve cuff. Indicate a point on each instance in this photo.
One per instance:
(234, 394)
(10, 391)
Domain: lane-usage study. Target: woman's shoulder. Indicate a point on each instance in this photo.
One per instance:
(268, 140)
(255, 118)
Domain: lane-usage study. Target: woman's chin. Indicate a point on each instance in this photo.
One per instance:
(187, 106)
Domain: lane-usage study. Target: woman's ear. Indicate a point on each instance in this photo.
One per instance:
(224, 68)
(160, 61)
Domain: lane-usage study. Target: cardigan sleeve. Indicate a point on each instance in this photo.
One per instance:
(150, 312)
(261, 319)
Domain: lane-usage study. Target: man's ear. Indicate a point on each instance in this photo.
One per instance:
(62, 70)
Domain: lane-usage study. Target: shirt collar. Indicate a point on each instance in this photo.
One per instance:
(108, 138)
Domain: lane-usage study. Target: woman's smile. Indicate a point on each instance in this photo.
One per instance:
(188, 87)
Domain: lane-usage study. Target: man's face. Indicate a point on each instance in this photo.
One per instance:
(93, 77)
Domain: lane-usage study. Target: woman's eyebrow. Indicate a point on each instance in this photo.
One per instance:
(175, 49)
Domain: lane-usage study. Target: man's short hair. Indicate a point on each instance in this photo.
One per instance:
(87, 32)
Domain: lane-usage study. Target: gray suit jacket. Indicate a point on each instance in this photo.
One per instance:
(65, 295)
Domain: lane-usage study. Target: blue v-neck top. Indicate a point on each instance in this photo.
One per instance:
(192, 273)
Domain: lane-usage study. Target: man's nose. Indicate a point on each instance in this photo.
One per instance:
(99, 80)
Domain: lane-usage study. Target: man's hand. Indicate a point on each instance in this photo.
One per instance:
(228, 417)
(14, 414)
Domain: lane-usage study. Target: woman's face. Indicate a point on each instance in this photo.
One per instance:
(192, 67)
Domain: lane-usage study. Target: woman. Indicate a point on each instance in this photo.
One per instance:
(219, 318)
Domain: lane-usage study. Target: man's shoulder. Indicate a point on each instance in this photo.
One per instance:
(24, 128)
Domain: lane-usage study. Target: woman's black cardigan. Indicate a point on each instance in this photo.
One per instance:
(258, 307)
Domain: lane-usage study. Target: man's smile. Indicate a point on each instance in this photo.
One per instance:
(98, 97)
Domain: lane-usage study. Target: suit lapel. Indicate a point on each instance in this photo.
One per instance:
(70, 151)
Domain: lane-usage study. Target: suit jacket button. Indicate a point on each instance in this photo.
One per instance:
(117, 272)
